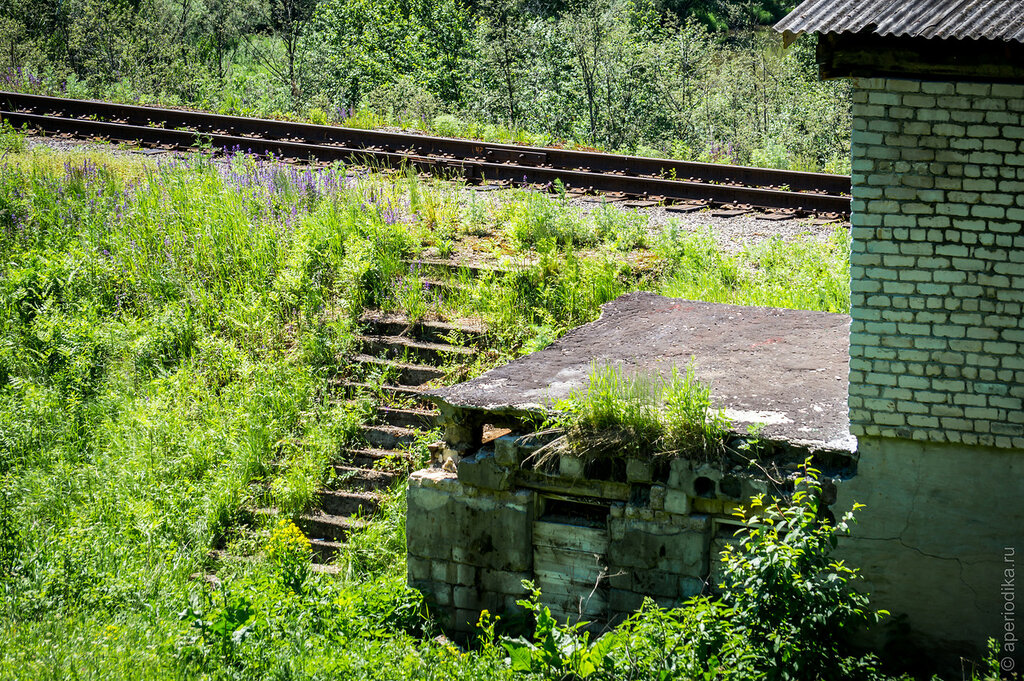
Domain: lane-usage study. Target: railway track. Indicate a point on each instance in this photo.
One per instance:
(633, 177)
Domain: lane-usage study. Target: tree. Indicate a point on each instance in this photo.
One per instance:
(503, 49)
(113, 41)
(588, 35)
(289, 22)
(29, 25)
(221, 29)
(445, 29)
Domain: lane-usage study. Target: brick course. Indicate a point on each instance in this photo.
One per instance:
(937, 335)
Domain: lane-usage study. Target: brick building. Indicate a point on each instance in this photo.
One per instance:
(937, 282)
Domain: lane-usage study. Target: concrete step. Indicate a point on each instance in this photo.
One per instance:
(407, 349)
(225, 557)
(402, 372)
(394, 393)
(329, 527)
(388, 437)
(366, 479)
(348, 503)
(407, 418)
(371, 457)
(428, 266)
(461, 332)
(324, 550)
(318, 525)
(442, 288)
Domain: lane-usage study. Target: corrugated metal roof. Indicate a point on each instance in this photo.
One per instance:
(992, 19)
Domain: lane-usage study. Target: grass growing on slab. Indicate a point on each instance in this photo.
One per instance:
(638, 414)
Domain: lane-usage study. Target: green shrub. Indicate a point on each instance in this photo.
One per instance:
(403, 99)
(447, 125)
(11, 141)
(796, 601)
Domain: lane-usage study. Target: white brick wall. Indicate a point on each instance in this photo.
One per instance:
(937, 268)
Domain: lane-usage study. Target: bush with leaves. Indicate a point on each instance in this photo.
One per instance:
(794, 599)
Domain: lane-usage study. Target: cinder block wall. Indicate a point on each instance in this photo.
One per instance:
(595, 546)
(937, 268)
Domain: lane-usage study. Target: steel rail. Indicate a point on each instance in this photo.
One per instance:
(638, 176)
(434, 146)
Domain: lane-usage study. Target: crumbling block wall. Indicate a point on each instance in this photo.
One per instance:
(468, 551)
(937, 267)
(596, 544)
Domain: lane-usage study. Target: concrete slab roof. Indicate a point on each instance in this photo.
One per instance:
(786, 369)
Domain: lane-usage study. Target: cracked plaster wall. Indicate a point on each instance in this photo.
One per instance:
(931, 539)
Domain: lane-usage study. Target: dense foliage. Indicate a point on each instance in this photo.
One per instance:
(686, 78)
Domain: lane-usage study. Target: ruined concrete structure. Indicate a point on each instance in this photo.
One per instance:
(595, 544)
(598, 536)
(934, 357)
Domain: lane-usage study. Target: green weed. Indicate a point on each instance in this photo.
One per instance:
(536, 219)
(620, 414)
(626, 230)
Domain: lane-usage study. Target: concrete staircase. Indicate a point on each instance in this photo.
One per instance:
(398, 360)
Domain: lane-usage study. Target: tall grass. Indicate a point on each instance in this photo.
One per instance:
(803, 274)
(641, 414)
(163, 332)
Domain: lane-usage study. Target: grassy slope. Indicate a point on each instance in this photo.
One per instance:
(166, 330)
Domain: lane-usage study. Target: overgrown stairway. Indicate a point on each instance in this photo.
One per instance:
(397, 361)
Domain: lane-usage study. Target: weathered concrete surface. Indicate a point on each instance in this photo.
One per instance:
(940, 526)
(786, 369)
(443, 523)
